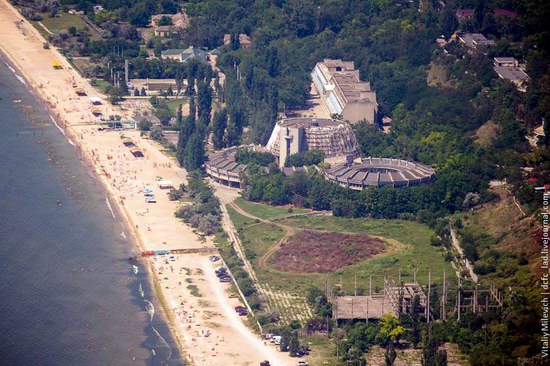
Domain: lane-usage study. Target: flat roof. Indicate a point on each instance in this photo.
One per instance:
(172, 52)
(309, 121)
(511, 73)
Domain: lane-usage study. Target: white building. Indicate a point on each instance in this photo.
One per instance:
(343, 93)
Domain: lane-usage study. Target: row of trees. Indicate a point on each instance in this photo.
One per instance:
(193, 129)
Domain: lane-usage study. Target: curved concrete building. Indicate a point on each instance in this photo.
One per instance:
(295, 135)
(223, 168)
(378, 172)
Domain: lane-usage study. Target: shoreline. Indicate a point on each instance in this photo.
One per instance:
(134, 239)
(152, 227)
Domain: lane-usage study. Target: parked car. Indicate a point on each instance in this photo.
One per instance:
(243, 312)
(214, 258)
(221, 273)
(265, 363)
(225, 279)
(302, 363)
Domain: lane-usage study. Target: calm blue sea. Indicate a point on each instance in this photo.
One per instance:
(68, 295)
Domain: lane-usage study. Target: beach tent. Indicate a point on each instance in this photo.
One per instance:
(137, 153)
(80, 92)
(96, 112)
(56, 65)
(165, 184)
(95, 100)
(127, 142)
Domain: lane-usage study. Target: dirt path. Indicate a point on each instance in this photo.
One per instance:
(289, 231)
(467, 264)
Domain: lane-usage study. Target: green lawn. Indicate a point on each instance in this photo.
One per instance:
(266, 211)
(321, 350)
(173, 104)
(101, 85)
(409, 249)
(58, 24)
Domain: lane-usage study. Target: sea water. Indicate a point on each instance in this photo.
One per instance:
(68, 293)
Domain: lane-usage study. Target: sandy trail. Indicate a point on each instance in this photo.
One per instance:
(268, 353)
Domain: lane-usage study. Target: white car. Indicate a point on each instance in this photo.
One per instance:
(302, 363)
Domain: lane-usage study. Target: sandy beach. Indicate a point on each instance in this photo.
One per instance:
(207, 327)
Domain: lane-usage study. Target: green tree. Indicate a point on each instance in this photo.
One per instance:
(220, 124)
(204, 102)
(448, 22)
(235, 42)
(144, 125)
(285, 340)
(233, 135)
(294, 344)
(165, 20)
(187, 129)
(390, 330)
(194, 152)
(179, 116)
(155, 133)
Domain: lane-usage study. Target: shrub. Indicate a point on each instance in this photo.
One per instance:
(145, 125)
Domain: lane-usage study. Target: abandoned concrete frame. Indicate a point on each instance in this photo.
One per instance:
(398, 299)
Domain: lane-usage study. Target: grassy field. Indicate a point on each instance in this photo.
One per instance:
(321, 350)
(411, 249)
(408, 249)
(61, 23)
(101, 85)
(266, 211)
(173, 104)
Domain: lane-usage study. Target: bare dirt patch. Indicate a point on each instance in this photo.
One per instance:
(312, 251)
(487, 133)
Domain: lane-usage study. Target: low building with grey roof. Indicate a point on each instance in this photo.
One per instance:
(222, 167)
(182, 55)
(509, 68)
(378, 172)
(475, 41)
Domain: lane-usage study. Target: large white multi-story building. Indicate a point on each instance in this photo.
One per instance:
(343, 93)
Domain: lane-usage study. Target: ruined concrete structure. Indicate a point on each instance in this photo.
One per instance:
(395, 299)
(295, 135)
